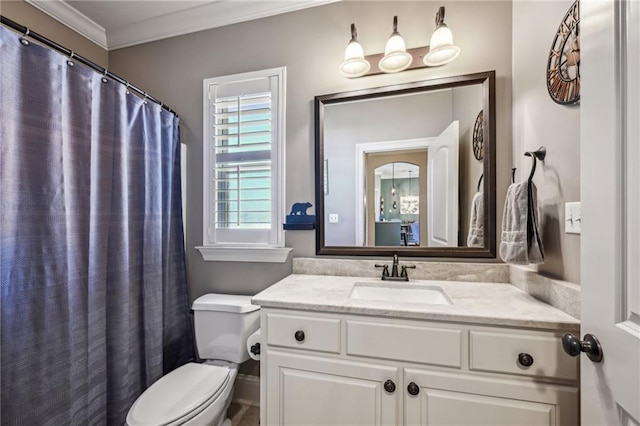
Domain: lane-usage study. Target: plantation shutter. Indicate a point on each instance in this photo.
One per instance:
(242, 194)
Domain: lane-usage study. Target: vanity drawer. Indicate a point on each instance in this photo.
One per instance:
(501, 352)
(302, 332)
(425, 345)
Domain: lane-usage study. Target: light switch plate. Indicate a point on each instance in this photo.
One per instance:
(572, 218)
(333, 218)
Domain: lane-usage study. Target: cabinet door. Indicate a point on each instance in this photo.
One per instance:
(307, 390)
(446, 399)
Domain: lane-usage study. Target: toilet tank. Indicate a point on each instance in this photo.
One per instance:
(223, 323)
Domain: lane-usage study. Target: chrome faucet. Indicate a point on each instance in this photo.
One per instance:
(394, 276)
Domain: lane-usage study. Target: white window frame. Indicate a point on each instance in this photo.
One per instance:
(212, 250)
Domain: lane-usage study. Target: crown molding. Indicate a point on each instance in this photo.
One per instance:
(72, 18)
(199, 18)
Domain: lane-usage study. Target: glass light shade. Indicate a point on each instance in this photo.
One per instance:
(354, 64)
(395, 57)
(441, 49)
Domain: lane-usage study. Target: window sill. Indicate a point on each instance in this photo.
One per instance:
(245, 254)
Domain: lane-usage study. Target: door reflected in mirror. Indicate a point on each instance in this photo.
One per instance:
(402, 168)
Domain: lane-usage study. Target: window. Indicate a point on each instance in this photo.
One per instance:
(244, 167)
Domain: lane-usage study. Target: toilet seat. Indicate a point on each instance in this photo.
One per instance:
(179, 396)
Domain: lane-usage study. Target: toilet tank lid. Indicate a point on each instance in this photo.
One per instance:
(224, 303)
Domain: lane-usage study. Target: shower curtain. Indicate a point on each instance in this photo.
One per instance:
(94, 301)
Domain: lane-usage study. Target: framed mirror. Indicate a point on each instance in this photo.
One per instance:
(408, 169)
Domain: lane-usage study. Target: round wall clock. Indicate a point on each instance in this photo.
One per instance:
(478, 137)
(563, 66)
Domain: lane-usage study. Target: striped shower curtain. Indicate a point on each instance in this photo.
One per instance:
(94, 303)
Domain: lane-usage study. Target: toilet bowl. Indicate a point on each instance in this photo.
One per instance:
(199, 394)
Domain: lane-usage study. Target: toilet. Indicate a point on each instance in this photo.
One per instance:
(199, 394)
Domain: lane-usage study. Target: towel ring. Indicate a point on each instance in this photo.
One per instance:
(540, 154)
(480, 182)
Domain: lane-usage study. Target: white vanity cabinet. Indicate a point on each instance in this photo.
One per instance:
(342, 369)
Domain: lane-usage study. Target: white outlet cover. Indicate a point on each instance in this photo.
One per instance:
(333, 218)
(572, 218)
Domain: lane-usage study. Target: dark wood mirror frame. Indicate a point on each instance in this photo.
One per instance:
(487, 80)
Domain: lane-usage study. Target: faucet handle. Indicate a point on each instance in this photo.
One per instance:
(385, 269)
(403, 272)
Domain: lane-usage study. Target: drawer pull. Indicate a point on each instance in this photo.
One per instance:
(413, 389)
(389, 386)
(299, 336)
(525, 360)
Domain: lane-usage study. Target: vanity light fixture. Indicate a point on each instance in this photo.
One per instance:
(354, 65)
(441, 48)
(396, 56)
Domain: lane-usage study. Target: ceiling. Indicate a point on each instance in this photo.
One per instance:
(114, 24)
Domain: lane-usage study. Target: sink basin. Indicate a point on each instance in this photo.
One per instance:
(401, 293)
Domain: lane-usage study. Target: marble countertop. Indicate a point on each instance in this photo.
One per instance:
(473, 302)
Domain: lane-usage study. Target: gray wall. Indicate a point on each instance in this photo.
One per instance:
(311, 44)
(25, 14)
(537, 120)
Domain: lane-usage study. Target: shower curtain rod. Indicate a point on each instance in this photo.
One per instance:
(72, 55)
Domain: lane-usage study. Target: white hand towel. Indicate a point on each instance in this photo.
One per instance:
(475, 237)
(521, 243)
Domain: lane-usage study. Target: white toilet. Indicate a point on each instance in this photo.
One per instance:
(199, 394)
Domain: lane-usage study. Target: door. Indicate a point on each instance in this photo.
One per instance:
(437, 398)
(610, 182)
(306, 390)
(442, 189)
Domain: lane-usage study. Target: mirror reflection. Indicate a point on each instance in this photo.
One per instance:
(401, 169)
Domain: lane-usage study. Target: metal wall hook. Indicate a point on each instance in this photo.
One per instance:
(540, 154)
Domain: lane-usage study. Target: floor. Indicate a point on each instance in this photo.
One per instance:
(244, 415)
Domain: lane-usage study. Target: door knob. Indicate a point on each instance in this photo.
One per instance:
(590, 345)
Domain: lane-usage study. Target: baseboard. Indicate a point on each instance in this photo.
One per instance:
(247, 390)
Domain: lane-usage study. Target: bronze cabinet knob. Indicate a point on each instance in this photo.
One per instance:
(525, 360)
(389, 386)
(413, 389)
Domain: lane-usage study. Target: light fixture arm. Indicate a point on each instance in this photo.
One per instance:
(354, 33)
(395, 25)
(440, 17)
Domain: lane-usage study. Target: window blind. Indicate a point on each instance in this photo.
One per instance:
(242, 166)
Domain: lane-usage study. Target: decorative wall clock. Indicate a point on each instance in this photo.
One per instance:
(478, 137)
(563, 66)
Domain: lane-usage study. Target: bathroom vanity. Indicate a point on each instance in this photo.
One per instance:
(359, 351)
